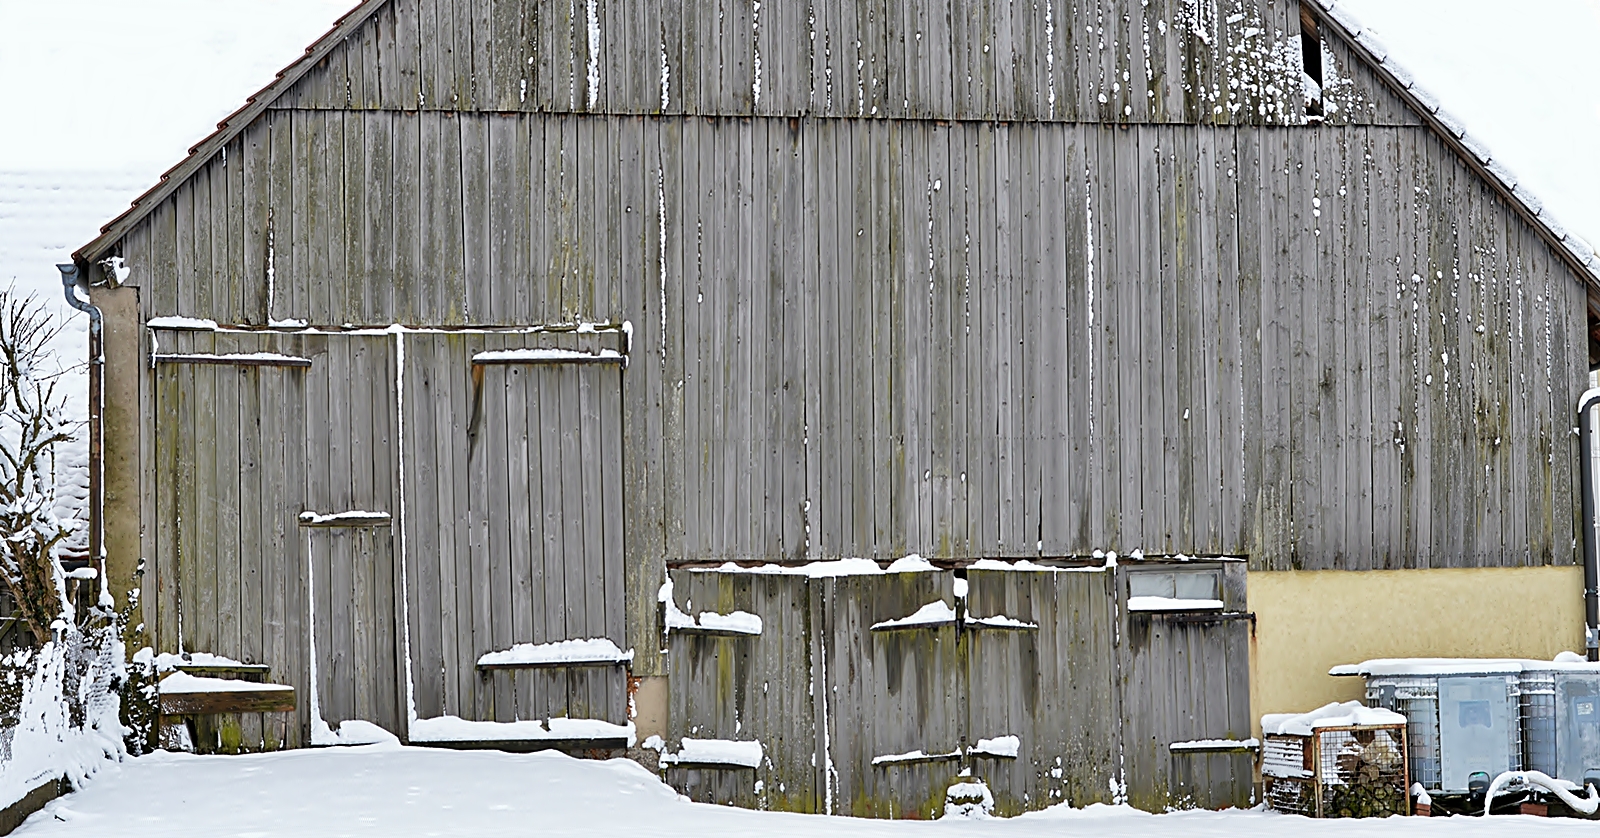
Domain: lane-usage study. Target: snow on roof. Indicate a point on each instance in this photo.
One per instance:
(1364, 41)
(1564, 662)
(1348, 714)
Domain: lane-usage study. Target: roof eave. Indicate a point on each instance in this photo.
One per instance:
(1589, 270)
(227, 130)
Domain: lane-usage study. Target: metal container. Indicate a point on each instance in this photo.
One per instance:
(1459, 722)
(1567, 716)
(1538, 700)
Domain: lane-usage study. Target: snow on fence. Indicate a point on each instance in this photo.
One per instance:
(59, 710)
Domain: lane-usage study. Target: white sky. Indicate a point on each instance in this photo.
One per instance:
(125, 87)
(132, 84)
(1523, 76)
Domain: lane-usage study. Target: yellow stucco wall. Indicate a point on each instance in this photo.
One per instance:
(1309, 621)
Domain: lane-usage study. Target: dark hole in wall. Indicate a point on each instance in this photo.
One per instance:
(1311, 57)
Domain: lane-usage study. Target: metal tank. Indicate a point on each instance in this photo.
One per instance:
(1561, 719)
(1463, 717)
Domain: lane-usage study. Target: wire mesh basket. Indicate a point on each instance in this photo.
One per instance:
(1538, 711)
(1338, 772)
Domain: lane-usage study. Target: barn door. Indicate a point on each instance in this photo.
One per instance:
(345, 527)
(254, 432)
(513, 457)
(1186, 687)
(896, 691)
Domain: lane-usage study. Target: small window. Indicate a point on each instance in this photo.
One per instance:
(1311, 60)
(1204, 583)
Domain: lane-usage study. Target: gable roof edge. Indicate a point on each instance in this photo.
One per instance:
(1578, 255)
(227, 130)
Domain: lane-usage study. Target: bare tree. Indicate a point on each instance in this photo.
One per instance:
(32, 423)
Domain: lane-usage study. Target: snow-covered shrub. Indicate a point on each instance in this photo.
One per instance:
(65, 720)
(33, 422)
(62, 662)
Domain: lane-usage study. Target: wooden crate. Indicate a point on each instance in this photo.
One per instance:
(1338, 772)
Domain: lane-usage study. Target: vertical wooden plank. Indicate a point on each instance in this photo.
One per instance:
(502, 438)
(816, 184)
(227, 568)
(402, 294)
(379, 232)
(1227, 433)
(481, 292)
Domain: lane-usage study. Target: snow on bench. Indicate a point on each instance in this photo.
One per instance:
(454, 731)
(184, 694)
(596, 651)
(722, 753)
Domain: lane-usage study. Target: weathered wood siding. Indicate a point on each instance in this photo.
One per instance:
(858, 337)
(877, 722)
(1115, 61)
(1014, 281)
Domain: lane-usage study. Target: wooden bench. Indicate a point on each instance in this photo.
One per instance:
(225, 709)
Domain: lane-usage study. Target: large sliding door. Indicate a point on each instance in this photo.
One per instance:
(264, 445)
(513, 521)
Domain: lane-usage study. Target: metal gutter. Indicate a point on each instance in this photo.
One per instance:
(71, 279)
(1591, 570)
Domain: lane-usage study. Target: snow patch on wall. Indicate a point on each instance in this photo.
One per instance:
(937, 613)
(593, 650)
(716, 752)
(457, 729)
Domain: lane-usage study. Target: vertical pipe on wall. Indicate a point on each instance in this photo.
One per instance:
(71, 278)
(1591, 573)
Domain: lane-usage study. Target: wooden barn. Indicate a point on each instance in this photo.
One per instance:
(828, 400)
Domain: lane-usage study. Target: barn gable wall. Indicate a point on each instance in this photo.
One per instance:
(877, 325)
(1167, 61)
(925, 295)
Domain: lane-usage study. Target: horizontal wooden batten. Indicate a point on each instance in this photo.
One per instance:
(248, 670)
(577, 664)
(259, 359)
(345, 519)
(525, 746)
(548, 356)
(274, 700)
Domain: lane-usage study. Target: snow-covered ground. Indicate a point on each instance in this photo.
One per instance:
(401, 792)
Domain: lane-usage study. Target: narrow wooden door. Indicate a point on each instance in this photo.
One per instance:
(345, 525)
(513, 452)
